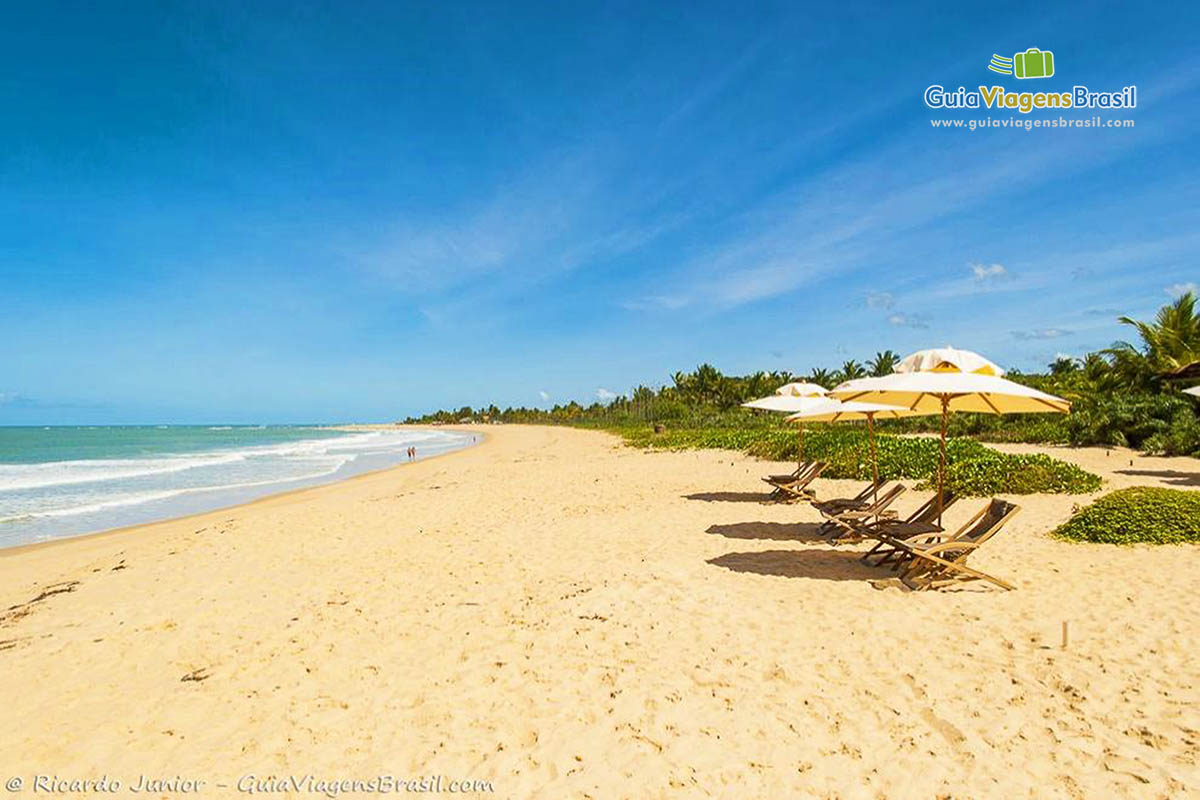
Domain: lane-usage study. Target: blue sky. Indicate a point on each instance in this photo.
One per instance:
(309, 212)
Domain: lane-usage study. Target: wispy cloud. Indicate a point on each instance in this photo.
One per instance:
(880, 300)
(544, 395)
(604, 395)
(1177, 290)
(900, 320)
(1041, 333)
(983, 273)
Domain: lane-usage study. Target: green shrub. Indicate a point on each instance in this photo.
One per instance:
(971, 468)
(993, 473)
(1140, 514)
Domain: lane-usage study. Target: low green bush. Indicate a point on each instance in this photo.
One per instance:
(1140, 514)
(971, 468)
(991, 473)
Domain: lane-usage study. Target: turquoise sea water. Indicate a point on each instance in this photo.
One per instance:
(63, 481)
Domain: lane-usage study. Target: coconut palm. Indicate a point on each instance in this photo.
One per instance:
(1171, 341)
(822, 377)
(883, 364)
(851, 370)
(1064, 365)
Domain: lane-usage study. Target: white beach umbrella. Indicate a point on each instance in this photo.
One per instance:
(802, 390)
(944, 388)
(1194, 391)
(792, 398)
(837, 411)
(947, 359)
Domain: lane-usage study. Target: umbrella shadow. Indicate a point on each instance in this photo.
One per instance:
(728, 497)
(826, 565)
(1172, 476)
(776, 531)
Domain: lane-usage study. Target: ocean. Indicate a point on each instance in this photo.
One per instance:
(62, 481)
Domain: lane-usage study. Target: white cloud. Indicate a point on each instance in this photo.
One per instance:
(544, 395)
(880, 300)
(1041, 333)
(908, 321)
(987, 272)
(1178, 290)
(604, 395)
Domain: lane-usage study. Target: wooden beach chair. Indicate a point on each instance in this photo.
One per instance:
(942, 561)
(795, 474)
(921, 523)
(840, 521)
(797, 488)
(859, 501)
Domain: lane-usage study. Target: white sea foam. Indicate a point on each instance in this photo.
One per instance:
(65, 497)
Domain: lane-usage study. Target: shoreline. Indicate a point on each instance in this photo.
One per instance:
(286, 493)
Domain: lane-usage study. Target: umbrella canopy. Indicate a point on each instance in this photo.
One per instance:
(790, 403)
(802, 390)
(961, 391)
(835, 411)
(1194, 391)
(792, 398)
(948, 359)
(944, 387)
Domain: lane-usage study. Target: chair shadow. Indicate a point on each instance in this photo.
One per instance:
(776, 531)
(827, 565)
(728, 497)
(1172, 476)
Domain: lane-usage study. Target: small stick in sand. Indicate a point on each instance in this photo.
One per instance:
(1064, 641)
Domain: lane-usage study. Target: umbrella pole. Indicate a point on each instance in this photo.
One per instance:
(799, 448)
(874, 457)
(942, 460)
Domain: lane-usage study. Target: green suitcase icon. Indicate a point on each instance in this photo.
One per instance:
(1033, 63)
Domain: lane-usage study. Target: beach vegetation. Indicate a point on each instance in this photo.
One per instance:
(1139, 514)
(1122, 396)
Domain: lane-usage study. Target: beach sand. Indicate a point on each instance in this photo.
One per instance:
(568, 617)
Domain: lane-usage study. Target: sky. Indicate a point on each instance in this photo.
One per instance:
(308, 212)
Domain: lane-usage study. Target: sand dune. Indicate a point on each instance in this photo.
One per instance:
(571, 618)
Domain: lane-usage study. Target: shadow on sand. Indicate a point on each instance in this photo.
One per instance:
(1172, 476)
(776, 531)
(728, 497)
(826, 565)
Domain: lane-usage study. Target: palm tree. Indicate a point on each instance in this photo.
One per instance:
(1171, 341)
(883, 363)
(822, 377)
(1064, 365)
(852, 370)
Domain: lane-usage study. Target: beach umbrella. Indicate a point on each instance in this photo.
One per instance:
(838, 411)
(947, 359)
(940, 386)
(1194, 391)
(792, 398)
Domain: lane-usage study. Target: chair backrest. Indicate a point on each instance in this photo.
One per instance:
(811, 475)
(886, 499)
(928, 512)
(867, 492)
(987, 523)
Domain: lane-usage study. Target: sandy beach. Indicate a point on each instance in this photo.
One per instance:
(568, 617)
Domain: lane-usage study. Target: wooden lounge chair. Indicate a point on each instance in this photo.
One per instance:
(942, 561)
(795, 474)
(840, 522)
(856, 503)
(796, 489)
(921, 523)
